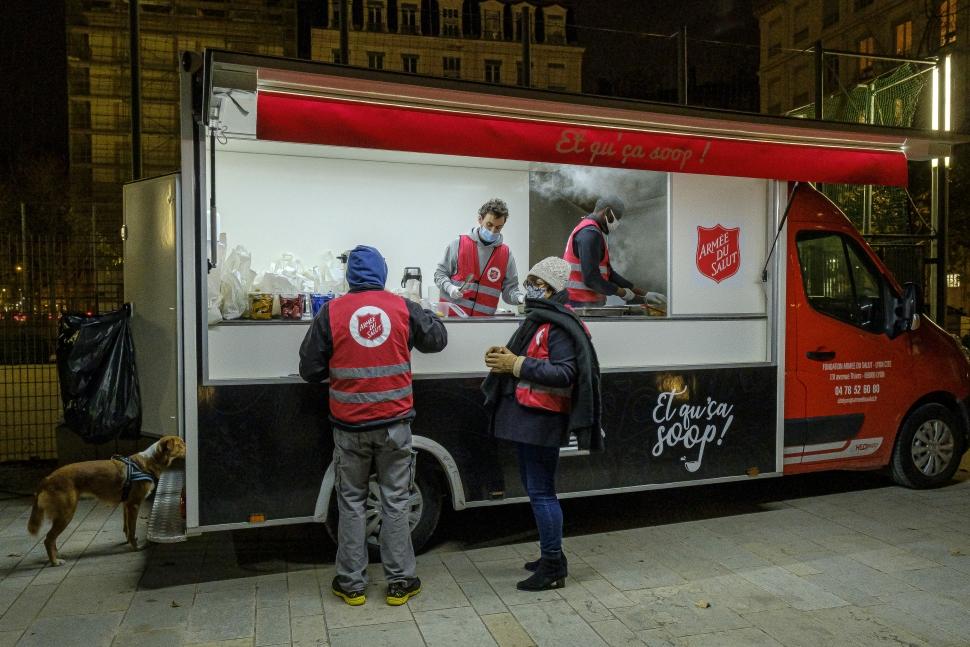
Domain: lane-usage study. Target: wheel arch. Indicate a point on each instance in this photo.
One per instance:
(422, 444)
(944, 398)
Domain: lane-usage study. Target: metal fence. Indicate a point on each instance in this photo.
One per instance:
(41, 277)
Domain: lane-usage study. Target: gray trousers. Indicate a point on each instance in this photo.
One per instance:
(356, 454)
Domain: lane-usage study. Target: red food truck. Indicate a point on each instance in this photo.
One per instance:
(786, 346)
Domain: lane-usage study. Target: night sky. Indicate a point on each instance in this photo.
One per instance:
(33, 103)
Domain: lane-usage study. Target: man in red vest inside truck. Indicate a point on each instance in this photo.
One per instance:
(362, 341)
(478, 267)
(591, 277)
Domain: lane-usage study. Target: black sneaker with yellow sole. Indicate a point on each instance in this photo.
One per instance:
(353, 598)
(401, 591)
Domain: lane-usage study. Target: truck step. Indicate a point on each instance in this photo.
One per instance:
(165, 524)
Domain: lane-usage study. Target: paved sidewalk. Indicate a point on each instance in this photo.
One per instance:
(883, 566)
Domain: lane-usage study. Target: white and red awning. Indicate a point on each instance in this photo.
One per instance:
(388, 116)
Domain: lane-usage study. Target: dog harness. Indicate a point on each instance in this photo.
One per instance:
(133, 474)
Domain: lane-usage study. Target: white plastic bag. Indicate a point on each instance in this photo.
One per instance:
(214, 282)
(237, 282)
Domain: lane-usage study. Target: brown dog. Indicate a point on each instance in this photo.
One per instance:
(113, 481)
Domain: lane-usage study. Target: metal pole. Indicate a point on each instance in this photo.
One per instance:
(526, 48)
(942, 212)
(682, 66)
(134, 65)
(819, 79)
(23, 256)
(345, 31)
(94, 254)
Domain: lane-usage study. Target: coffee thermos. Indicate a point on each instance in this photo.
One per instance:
(411, 282)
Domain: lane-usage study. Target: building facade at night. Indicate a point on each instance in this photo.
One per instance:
(906, 28)
(444, 39)
(99, 87)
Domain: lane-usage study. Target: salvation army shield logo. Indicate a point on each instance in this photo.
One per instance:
(718, 254)
(370, 326)
(493, 274)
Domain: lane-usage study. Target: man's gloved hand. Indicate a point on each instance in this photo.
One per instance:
(655, 298)
(501, 360)
(626, 294)
(453, 290)
(521, 299)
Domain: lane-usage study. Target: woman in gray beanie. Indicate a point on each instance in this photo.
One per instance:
(544, 386)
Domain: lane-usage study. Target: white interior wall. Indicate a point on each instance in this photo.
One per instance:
(276, 203)
(704, 200)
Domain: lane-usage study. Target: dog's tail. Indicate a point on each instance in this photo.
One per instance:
(36, 514)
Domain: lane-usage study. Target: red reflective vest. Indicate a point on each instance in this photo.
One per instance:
(578, 291)
(370, 369)
(480, 297)
(539, 396)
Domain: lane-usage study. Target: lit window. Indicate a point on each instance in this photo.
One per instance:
(947, 12)
(867, 45)
(952, 280)
(904, 38)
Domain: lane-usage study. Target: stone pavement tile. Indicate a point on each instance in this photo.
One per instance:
(272, 625)
(801, 569)
(375, 611)
(303, 584)
(438, 591)
(271, 593)
(948, 614)
(89, 630)
(461, 567)
(631, 571)
(585, 604)
(456, 626)
(110, 559)
(607, 594)
(26, 607)
(506, 630)
(220, 622)
(156, 577)
(676, 610)
(502, 576)
(10, 590)
(482, 598)
(689, 564)
(659, 638)
(892, 560)
(746, 637)
(491, 554)
(237, 642)
(794, 628)
(9, 638)
(842, 587)
(850, 542)
(785, 548)
(395, 634)
(306, 606)
(615, 633)
(858, 625)
(555, 624)
(797, 591)
(243, 594)
(159, 609)
(308, 630)
(91, 594)
(940, 579)
(926, 629)
(735, 593)
(52, 575)
(168, 637)
(947, 549)
(859, 576)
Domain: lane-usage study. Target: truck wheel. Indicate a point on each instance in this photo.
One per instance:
(423, 515)
(928, 449)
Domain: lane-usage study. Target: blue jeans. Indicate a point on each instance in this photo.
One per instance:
(537, 467)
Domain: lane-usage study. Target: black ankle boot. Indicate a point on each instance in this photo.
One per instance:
(532, 566)
(550, 574)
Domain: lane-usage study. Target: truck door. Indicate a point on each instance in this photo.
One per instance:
(844, 360)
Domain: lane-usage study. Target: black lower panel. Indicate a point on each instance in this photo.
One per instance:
(264, 448)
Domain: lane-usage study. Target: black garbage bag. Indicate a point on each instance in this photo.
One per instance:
(96, 371)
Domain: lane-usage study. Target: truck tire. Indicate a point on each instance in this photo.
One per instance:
(928, 448)
(425, 509)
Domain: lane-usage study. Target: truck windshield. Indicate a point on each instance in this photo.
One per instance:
(840, 281)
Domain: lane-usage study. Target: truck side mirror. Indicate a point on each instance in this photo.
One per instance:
(906, 310)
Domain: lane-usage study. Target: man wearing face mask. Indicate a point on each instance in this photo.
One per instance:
(478, 267)
(592, 277)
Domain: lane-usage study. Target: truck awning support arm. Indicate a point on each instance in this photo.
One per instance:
(781, 225)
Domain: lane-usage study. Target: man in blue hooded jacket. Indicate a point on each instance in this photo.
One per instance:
(362, 341)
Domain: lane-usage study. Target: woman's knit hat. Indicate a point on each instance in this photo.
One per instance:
(553, 270)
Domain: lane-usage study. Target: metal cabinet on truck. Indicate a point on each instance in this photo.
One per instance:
(297, 157)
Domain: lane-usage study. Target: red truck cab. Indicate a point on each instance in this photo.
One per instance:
(868, 381)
